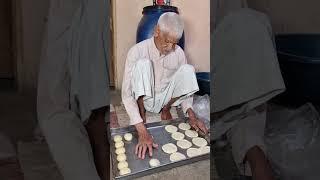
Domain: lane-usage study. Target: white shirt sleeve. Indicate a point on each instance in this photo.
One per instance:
(128, 99)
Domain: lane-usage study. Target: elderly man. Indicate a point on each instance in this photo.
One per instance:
(157, 77)
(73, 88)
(246, 75)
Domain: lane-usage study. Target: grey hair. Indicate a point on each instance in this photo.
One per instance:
(171, 23)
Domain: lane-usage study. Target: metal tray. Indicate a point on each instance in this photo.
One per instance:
(140, 167)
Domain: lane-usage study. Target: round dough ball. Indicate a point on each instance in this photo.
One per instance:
(122, 165)
(191, 133)
(121, 157)
(125, 171)
(205, 149)
(184, 144)
(117, 138)
(191, 152)
(154, 162)
(169, 148)
(119, 144)
(120, 150)
(177, 157)
(128, 136)
(171, 128)
(184, 126)
(200, 142)
(177, 136)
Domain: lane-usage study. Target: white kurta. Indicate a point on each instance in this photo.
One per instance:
(159, 78)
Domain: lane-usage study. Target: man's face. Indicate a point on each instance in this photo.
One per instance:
(166, 42)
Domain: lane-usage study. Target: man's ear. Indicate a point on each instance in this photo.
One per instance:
(156, 31)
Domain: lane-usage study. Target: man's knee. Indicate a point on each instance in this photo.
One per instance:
(186, 68)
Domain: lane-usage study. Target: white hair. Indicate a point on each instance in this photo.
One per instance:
(171, 23)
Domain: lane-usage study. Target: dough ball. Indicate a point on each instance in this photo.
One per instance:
(117, 138)
(121, 157)
(184, 144)
(121, 150)
(154, 162)
(205, 149)
(184, 126)
(128, 136)
(200, 142)
(171, 128)
(177, 157)
(191, 133)
(192, 152)
(125, 171)
(122, 165)
(177, 136)
(169, 148)
(119, 144)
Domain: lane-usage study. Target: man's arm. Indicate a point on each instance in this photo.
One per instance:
(145, 141)
(128, 99)
(186, 105)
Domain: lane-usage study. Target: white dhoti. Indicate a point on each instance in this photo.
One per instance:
(183, 84)
(73, 81)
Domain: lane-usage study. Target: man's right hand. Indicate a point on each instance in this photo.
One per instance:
(145, 142)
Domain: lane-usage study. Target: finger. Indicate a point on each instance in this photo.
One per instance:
(144, 150)
(155, 145)
(203, 128)
(195, 127)
(136, 150)
(150, 150)
(140, 151)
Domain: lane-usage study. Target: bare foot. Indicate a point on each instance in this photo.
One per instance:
(165, 114)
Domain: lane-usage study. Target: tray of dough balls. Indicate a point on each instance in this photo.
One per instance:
(178, 145)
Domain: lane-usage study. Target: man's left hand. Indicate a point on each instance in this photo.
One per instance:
(197, 125)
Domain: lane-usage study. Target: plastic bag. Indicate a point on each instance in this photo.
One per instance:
(293, 143)
(201, 107)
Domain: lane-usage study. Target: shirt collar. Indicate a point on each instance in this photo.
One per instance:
(154, 49)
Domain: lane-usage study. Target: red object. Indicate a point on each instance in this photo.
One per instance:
(160, 2)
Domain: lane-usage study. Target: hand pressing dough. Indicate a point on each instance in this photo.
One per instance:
(119, 144)
(200, 142)
(117, 138)
(177, 136)
(154, 162)
(125, 171)
(169, 148)
(184, 144)
(184, 126)
(128, 136)
(122, 165)
(171, 128)
(177, 157)
(121, 157)
(120, 150)
(191, 133)
(191, 152)
(205, 149)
